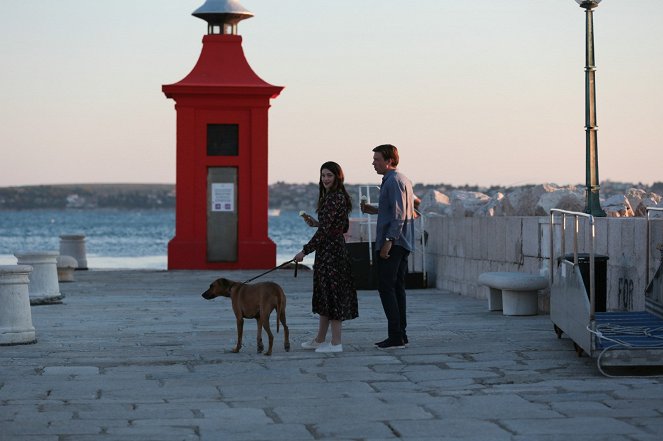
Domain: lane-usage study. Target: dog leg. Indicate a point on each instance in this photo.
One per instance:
(286, 332)
(260, 346)
(240, 331)
(265, 324)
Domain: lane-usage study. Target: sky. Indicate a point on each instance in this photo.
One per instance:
(481, 92)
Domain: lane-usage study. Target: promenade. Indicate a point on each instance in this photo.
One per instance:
(139, 355)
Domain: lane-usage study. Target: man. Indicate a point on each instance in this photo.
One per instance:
(394, 241)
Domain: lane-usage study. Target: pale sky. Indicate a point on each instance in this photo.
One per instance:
(472, 92)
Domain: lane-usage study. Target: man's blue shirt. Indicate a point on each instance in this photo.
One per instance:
(395, 211)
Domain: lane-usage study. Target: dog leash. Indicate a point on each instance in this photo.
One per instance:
(275, 268)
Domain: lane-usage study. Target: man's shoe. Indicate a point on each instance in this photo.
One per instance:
(405, 342)
(391, 344)
(312, 344)
(328, 347)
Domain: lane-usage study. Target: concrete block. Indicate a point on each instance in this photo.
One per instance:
(74, 245)
(615, 234)
(66, 265)
(500, 223)
(601, 234)
(15, 314)
(531, 235)
(476, 250)
(43, 287)
(513, 247)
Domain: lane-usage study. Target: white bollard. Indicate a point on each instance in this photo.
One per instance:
(43, 287)
(66, 266)
(15, 315)
(74, 245)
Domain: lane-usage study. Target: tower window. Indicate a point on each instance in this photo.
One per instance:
(222, 139)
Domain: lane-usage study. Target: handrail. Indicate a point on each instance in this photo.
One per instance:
(648, 246)
(367, 189)
(591, 236)
(365, 192)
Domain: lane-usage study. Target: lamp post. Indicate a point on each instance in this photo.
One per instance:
(592, 204)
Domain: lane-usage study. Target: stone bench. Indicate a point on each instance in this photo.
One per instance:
(513, 293)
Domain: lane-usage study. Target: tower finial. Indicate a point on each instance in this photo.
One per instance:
(222, 16)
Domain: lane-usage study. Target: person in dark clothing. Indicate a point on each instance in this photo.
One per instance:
(334, 294)
(394, 241)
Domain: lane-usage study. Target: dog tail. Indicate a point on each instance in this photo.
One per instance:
(279, 307)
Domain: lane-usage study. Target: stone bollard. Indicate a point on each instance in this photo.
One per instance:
(66, 266)
(43, 287)
(74, 245)
(15, 315)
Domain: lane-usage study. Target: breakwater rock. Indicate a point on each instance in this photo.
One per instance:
(534, 200)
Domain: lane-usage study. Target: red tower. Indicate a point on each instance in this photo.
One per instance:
(221, 180)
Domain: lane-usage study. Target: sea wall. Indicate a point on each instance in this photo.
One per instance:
(459, 249)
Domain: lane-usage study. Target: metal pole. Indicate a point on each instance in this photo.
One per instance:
(593, 205)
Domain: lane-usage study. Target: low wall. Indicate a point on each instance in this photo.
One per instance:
(459, 249)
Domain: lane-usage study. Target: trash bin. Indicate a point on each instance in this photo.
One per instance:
(600, 277)
(364, 273)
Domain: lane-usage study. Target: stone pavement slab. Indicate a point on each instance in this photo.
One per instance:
(139, 355)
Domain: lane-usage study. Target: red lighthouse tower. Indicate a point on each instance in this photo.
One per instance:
(222, 190)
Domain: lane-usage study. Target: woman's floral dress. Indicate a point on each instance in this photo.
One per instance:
(334, 294)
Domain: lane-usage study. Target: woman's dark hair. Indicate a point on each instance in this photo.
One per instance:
(388, 152)
(339, 179)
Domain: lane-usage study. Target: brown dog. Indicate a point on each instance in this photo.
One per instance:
(253, 301)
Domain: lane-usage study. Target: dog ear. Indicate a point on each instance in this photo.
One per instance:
(226, 284)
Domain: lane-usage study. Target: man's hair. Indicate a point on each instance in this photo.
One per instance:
(388, 152)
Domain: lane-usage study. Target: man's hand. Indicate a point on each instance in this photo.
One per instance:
(368, 208)
(384, 251)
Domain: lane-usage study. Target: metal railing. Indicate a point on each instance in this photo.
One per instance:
(649, 210)
(365, 192)
(591, 234)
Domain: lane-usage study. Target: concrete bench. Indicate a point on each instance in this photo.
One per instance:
(513, 293)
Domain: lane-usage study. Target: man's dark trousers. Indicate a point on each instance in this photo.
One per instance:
(391, 286)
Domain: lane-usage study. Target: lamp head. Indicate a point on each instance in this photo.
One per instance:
(588, 4)
(222, 16)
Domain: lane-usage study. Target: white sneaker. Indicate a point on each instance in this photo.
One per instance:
(312, 344)
(328, 347)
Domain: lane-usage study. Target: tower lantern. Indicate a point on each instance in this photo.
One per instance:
(221, 178)
(222, 16)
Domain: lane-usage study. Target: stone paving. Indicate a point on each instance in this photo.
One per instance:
(139, 355)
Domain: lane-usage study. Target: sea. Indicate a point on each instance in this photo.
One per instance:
(124, 239)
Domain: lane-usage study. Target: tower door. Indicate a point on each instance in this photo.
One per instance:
(222, 214)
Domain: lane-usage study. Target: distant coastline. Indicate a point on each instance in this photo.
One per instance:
(86, 196)
(282, 195)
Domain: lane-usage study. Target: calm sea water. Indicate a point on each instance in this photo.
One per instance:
(134, 239)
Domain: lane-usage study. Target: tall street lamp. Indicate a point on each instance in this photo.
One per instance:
(592, 204)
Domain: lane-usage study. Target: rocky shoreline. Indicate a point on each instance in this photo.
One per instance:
(619, 199)
(537, 200)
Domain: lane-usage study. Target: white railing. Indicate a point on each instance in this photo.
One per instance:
(650, 210)
(591, 235)
(365, 192)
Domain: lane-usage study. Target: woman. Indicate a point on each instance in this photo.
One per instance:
(334, 295)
